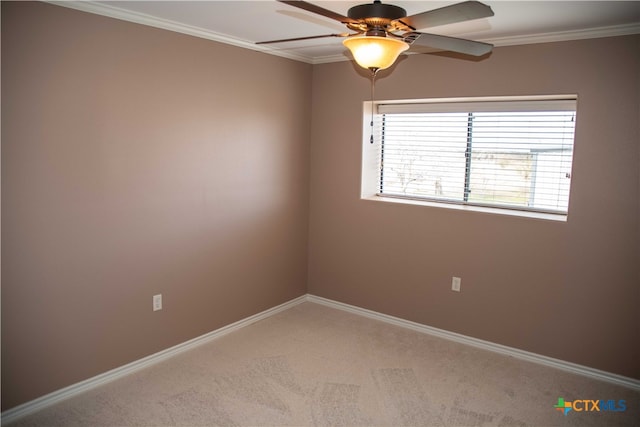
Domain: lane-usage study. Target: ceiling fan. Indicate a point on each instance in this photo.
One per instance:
(387, 30)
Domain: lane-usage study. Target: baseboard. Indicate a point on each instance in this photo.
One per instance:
(88, 384)
(486, 345)
(75, 389)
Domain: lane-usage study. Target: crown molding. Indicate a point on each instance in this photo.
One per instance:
(558, 36)
(561, 36)
(166, 24)
(330, 58)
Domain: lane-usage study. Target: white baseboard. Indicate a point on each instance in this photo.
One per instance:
(486, 345)
(88, 384)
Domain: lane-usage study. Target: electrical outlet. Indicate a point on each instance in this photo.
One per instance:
(455, 284)
(157, 302)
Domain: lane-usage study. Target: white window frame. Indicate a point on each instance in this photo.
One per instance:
(371, 148)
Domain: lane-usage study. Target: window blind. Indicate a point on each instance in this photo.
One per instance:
(515, 154)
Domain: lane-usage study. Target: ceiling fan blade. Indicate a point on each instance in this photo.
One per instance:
(467, 47)
(304, 38)
(459, 12)
(319, 10)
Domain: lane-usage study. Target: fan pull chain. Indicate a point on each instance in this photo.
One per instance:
(373, 85)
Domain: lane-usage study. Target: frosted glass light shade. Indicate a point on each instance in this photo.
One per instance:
(375, 52)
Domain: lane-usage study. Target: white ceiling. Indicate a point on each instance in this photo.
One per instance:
(242, 23)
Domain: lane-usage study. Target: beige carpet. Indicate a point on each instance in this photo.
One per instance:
(316, 366)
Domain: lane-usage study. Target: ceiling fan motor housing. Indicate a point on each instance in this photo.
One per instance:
(376, 15)
(375, 21)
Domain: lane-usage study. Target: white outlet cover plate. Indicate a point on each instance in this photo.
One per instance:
(157, 302)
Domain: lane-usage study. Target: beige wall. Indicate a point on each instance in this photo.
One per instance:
(566, 290)
(138, 161)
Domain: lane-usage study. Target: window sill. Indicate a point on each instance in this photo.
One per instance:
(470, 208)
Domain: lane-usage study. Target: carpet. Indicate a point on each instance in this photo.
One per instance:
(313, 365)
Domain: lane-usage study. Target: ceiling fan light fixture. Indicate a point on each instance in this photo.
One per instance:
(373, 52)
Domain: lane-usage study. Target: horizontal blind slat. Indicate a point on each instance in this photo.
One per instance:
(512, 158)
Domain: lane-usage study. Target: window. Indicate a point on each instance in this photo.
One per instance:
(505, 153)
